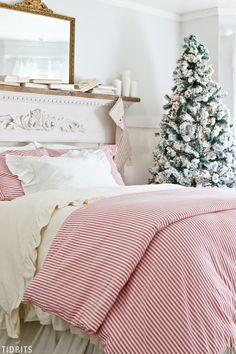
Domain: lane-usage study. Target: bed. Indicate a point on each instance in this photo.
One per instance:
(91, 266)
(45, 301)
(26, 331)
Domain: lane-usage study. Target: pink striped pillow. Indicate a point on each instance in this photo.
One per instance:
(110, 151)
(10, 186)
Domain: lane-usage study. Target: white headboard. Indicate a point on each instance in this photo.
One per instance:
(28, 117)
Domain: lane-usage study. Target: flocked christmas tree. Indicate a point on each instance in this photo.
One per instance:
(196, 145)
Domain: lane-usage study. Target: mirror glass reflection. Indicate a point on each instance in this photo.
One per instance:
(34, 45)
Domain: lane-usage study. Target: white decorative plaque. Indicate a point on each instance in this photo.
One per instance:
(39, 120)
(28, 117)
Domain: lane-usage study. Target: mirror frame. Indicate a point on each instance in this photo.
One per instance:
(37, 7)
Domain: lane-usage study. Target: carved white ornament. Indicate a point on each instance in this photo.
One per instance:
(40, 120)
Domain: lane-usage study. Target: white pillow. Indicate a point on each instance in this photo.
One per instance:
(56, 146)
(88, 169)
(29, 146)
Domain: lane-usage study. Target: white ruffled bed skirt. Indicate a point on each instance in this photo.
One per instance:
(38, 339)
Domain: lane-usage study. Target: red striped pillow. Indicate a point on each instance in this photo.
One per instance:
(10, 186)
(110, 151)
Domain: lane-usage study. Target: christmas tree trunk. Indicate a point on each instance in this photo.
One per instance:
(196, 145)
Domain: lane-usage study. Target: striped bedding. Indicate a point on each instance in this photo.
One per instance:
(148, 273)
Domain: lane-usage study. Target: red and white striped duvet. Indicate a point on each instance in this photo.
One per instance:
(150, 273)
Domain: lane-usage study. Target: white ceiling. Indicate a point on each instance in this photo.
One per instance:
(185, 6)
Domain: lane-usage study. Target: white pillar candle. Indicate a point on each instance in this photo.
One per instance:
(118, 84)
(126, 83)
(125, 75)
(134, 89)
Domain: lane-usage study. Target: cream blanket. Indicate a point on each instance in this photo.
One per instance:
(28, 225)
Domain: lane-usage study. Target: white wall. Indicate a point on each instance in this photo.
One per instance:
(110, 39)
(143, 141)
(227, 22)
(226, 69)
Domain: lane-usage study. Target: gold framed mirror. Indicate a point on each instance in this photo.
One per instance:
(36, 42)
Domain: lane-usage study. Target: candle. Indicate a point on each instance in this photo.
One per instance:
(118, 84)
(134, 89)
(126, 81)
